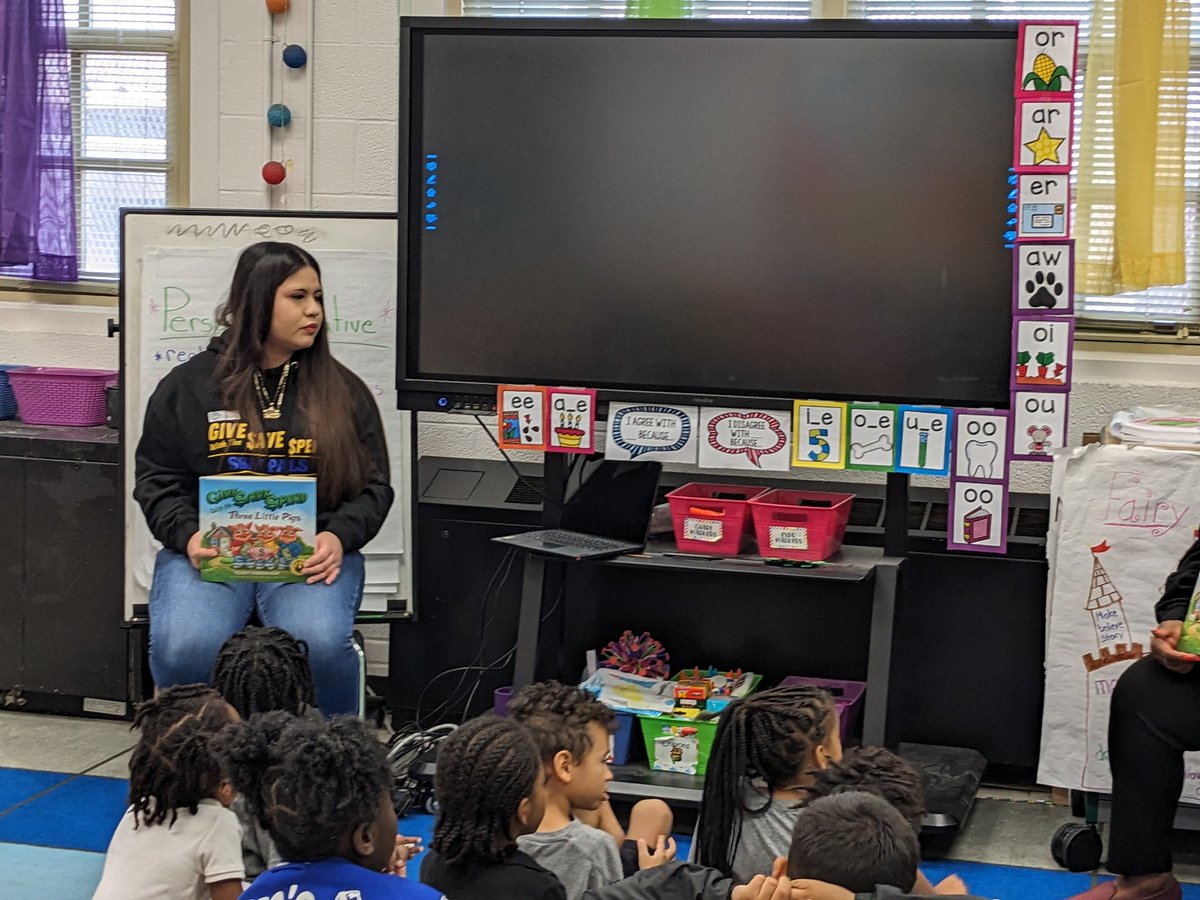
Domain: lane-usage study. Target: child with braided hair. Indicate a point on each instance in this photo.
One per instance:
(490, 790)
(265, 669)
(178, 838)
(322, 790)
(765, 748)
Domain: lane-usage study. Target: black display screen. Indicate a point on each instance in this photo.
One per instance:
(805, 213)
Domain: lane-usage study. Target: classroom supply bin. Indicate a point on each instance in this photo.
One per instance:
(686, 746)
(50, 396)
(804, 525)
(712, 518)
(847, 697)
(8, 401)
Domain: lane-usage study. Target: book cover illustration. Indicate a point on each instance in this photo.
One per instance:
(262, 527)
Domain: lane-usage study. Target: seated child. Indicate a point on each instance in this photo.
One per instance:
(323, 792)
(766, 747)
(883, 773)
(178, 838)
(571, 729)
(490, 790)
(260, 670)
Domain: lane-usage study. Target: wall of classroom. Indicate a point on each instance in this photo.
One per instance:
(353, 68)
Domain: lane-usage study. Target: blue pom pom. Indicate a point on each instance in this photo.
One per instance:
(278, 115)
(294, 56)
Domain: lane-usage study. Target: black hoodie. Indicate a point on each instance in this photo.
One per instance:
(188, 432)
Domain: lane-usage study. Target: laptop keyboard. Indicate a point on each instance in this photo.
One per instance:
(585, 541)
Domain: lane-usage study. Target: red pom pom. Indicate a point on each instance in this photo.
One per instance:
(274, 172)
(278, 6)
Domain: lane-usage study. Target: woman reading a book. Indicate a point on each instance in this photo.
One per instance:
(265, 398)
(1153, 720)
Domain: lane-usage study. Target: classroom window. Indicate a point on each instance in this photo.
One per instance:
(617, 9)
(124, 87)
(1164, 308)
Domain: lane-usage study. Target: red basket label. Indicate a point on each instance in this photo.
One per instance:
(788, 537)
(709, 531)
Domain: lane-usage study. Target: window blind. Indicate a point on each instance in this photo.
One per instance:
(1164, 307)
(699, 9)
(124, 99)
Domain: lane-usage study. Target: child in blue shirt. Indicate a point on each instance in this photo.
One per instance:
(322, 792)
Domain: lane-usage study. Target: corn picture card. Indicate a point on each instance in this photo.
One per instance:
(263, 527)
(1042, 141)
(872, 437)
(745, 439)
(1039, 425)
(978, 517)
(572, 426)
(1044, 278)
(522, 411)
(1043, 206)
(1042, 350)
(1047, 58)
(981, 445)
(652, 431)
(925, 439)
(819, 441)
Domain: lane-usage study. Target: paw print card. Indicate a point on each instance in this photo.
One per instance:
(1044, 278)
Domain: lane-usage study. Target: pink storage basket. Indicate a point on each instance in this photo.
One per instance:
(712, 518)
(806, 525)
(847, 697)
(48, 396)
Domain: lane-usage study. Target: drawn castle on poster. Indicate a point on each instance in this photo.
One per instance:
(1114, 652)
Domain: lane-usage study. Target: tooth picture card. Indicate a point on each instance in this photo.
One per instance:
(981, 444)
(572, 425)
(745, 439)
(1039, 425)
(1042, 141)
(1043, 206)
(1042, 349)
(925, 440)
(872, 437)
(522, 410)
(1047, 59)
(978, 517)
(1044, 278)
(819, 441)
(652, 431)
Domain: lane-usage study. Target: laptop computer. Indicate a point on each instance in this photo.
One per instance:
(606, 514)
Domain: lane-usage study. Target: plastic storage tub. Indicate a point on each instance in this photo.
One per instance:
(804, 525)
(712, 518)
(678, 745)
(47, 396)
(8, 402)
(847, 697)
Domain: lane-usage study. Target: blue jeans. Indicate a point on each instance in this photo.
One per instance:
(190, 619)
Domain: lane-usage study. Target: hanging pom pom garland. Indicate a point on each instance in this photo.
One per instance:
(279, 115)
(294, 56)
(274, 172)
(277, 7)
(637, 655)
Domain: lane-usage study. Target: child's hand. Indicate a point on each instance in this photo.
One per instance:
(803, 889)
(661, 854)
(763, 888)
(952, 885)
(406, 848)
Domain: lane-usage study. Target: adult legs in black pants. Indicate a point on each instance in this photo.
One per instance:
(1155, 718)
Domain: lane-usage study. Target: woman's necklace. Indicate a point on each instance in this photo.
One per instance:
(272, 410)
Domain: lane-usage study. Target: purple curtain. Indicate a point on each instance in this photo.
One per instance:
(37, 167)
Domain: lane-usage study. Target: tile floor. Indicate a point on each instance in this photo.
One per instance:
(1006, 827)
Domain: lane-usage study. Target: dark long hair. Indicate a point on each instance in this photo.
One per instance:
(322, 384)
(765, 737)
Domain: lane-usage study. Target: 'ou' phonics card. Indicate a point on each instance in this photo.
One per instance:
(522, 411)
(263, 527)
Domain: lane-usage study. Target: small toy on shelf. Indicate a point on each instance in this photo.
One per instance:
(637, 655)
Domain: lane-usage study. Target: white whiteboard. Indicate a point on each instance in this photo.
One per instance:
(175, 269)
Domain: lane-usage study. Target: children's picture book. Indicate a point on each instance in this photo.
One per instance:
(263, 527)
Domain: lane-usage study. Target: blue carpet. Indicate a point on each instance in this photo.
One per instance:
(21, 784)
(1012, 883)
(77, 815)
(48, 874)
